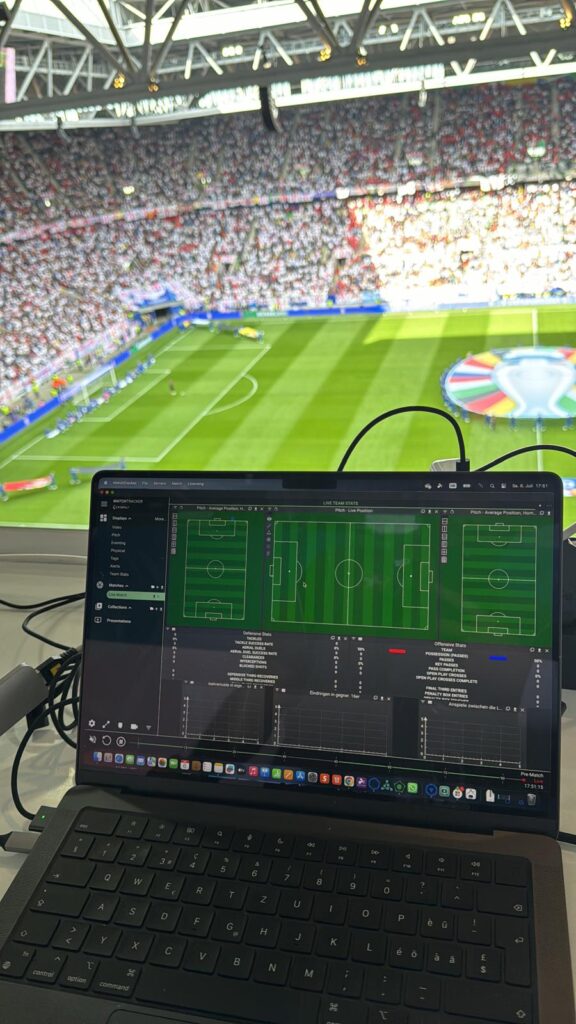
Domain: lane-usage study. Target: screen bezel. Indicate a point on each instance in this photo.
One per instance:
(262, 794)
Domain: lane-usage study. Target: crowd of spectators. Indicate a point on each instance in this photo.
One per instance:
(385, 140)
(59, 291)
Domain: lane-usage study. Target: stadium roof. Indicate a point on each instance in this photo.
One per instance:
(97, 62)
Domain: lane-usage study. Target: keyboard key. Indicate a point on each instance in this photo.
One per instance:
(341, 853)
(224, 865)
(167, 888)
(309, 849)
(422, 993)
(261, 931)
(168, 952)
(106, 878)
(102, 941)
(163, 858)
(117, 980)
(402, 921)
(384, 986)
(132, 912)
(255, 869)
(188, 835)
(235, 963)
(36, 930)
(135, 946)
(62, 900)
(272, 968)
(475, 868)
(287, 874)
(159, 831)
(229, 927)
(488, 1002)
(513, 937)
(77, 846)
(296, 937)
(475, 928)
(407, 954)
(319, 877)
(131, 826)
(485, 964)
(163, 917)
(441, 863)
(70, 936)
(297, 905)
(503, 899)
(247, 841)
(345, 980)
(383, 1015)
(422, 890)
(387, 887)
(201, 957)
(407, 860)
(199, 893)
(341, 1011)
(218, 838)
(445, 958)
(46, 966)
(278, 846)
(374, 857)
(100, 907)
(333, 942)
(512, 871)
(437, 924)
(308, 974)
(331, 909)
(459, 895)
(193, 862)
(15, 960)
(99, 823)
(263, 901)
(134, 854)
(368, 949)
(352, 882)
(78, 972)
(260, 1003)
(70, 872)
(137, 883)
(105, 850)
(230, 895)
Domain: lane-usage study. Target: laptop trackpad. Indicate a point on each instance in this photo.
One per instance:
(135, 1017)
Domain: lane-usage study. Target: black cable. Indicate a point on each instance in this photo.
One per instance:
(522, 451)
(567, 837)
(41, 611)
(17, 759)
(41, 604)
(463, 464)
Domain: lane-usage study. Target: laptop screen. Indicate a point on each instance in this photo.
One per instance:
(380, 637)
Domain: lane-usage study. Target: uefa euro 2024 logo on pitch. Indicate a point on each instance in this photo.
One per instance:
(516, 383)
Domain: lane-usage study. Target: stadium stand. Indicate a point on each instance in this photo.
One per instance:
(59, 292)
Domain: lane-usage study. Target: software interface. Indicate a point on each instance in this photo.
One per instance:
(391, 643)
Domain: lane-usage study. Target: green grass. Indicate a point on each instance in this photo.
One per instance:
(293, 404)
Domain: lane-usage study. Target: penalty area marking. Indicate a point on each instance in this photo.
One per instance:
(239, 401)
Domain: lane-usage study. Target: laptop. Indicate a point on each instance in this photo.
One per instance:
(318, 760)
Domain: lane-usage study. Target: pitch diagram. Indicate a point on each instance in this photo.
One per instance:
(499, 579)
(216, 569)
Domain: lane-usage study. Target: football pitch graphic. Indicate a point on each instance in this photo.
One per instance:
(499, 579)
(215, 569)
(361, 575)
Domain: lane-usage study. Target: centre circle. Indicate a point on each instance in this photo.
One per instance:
(498, 579)
(215, 569)
(349, 573)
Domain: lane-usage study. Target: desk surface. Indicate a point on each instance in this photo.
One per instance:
(48, 768)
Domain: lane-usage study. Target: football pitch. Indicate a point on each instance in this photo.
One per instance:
(293, 403)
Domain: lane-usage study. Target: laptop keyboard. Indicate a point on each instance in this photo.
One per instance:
(278, 928)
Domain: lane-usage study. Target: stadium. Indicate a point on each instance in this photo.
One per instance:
(231, 235)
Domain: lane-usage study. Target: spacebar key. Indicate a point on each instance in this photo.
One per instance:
(227, 999)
